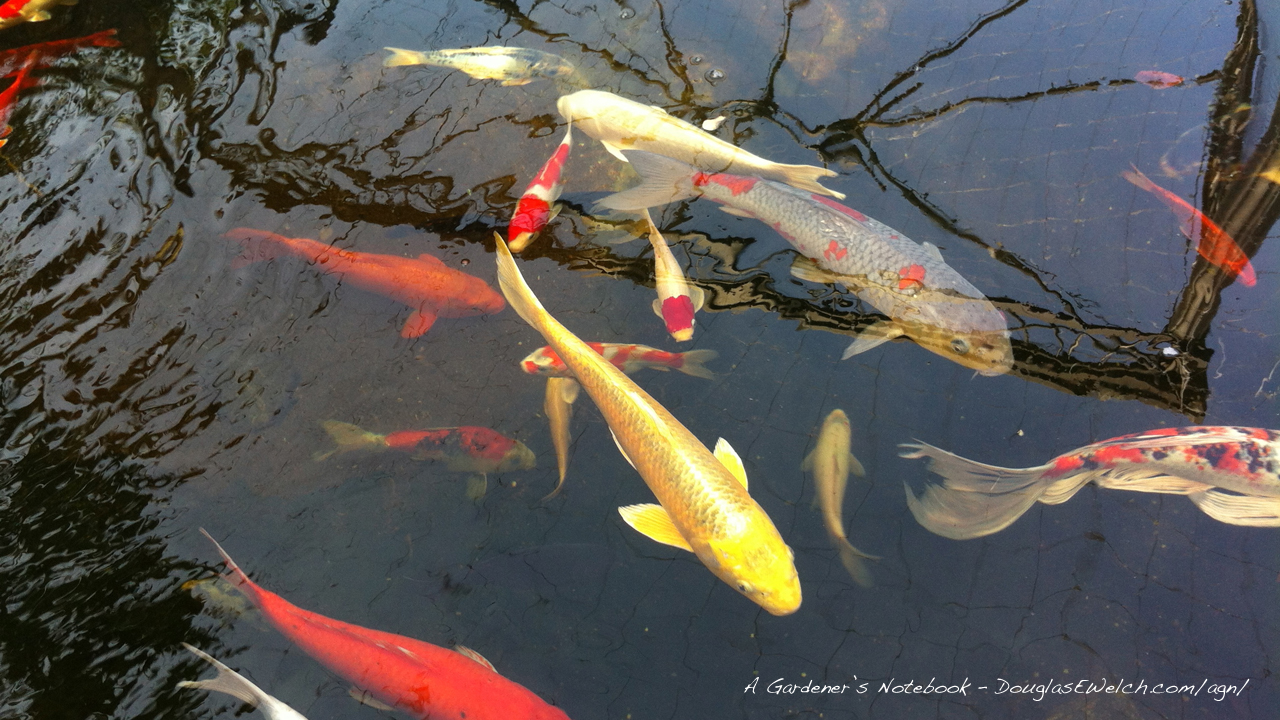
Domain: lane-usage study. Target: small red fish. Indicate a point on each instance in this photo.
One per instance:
(1212, 242)
(417, 677)
(424, 283)
(9, 98)
(465, 449)
(534, 210)
(627, 358)
(1157, 79)
(44, 53)
(16, 12)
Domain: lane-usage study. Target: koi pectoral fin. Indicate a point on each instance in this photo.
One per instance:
(364, 697)
(1238, 509)
(728, 457)
(468, 652)
(874, 336)
(418, 323)
(653, 522)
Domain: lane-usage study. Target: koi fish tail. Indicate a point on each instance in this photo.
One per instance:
(694, 362)
(977, 499)
(662, 180)
(228, 681)
(518, 293)
(1142, 181)
(852, 558)
(258, 245)
(234, 574)
(400, 56)
(348, 437)
(806, 177)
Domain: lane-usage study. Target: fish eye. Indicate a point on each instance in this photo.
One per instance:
(959, 346)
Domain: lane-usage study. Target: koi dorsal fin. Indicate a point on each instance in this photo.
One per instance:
(468, 652)
(653, 522)
(725, 453)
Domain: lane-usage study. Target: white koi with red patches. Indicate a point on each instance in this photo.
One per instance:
(1200, 462)
(534, 210)
(924, 297)
(677, 299)
(627, 358)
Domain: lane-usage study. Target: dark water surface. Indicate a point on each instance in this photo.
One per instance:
(148, 389)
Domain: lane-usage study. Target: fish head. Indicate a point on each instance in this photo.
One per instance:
(762, 570)
(989, 353)
(542, 361)
(484, 299)
(519, 457)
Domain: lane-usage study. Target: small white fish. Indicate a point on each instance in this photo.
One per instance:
(713, 124)
(511, 65)
(233, 683)
(830, 463)
(677, 300)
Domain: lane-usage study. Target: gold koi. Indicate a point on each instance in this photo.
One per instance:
(558, 405)
(830, 463)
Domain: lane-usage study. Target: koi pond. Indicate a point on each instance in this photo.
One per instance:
(197, 200)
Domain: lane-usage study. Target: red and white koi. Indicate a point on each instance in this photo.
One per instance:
(925, 299)
(465, 449)
(1212, 242)
(9, 98)
(537, 205)
(677, 300)
(421, 679)
(627, 358)
(1231, 473)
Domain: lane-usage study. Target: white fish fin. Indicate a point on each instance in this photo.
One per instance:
(39, 16)
(874, 336)
(624, 452)
(967, 475)
(228, 681)
(477, 486)
(855, 467)
(657, 306)
(806, 269)
(400, 56)
(662, 180)
(468, 652)
(555, 210)
(713, 124)
(725, 453)
(653, 522)
(698, 297)
(963, 515)
(932, 250)
(735, 211)
(366, 698)
(614, 150)
(694, 362)
(1139, 479)
(1238, 509)
(806, 465)
(516, 81)
(569, 390)
(852, 559)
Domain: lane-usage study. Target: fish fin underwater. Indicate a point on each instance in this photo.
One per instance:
(662, 180)
(348, 437)
(469, 653)
(1238, 509)
(400, 56)
(728, 457)
(873, 337)
(256, 246)
(694, 363)
(366, 698)
(652, 521)
(853, 561)
(228, 681)
(418, 323)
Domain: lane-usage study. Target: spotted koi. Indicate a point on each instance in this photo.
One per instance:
(1231, 473)
(627, 358)
(463, 449)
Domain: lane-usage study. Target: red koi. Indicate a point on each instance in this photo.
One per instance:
(9, 98)
(466, 449)
(627, 358)
(1212, 242)
(425, 283)
(46, 52)
(1231, 473)
(534, 210)
(1157, 79)
(422, 679)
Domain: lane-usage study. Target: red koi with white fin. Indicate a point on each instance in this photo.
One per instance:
(1212, 242)
(677, 300)
(627, 358)
(535, 210)
(424, 283)
(9, 98)
(424, 680)
(1200, 462)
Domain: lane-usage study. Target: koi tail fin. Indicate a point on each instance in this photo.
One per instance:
(518, 293)
(349, 437)
(400, 57)
(662, 180)
(1238, 509)
(852, 558)
(694, 362)
(977, 499)
(258, 245)
(234, 574)
(806, 177)
(228, 681)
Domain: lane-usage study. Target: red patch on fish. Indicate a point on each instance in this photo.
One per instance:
(737, 184)
(530, 217)
(678, 313)
(1157, 79)
(844, 210)
(481, 442)
(1117, 454)
(834, 251)
(911, 276)
(409, 439)
(1064, 465)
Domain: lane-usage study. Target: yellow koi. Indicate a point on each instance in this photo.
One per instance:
(831, 462)
(704, 506)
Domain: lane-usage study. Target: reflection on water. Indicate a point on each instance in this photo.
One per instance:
(148, 388)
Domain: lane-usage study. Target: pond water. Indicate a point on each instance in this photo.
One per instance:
(148, 388)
